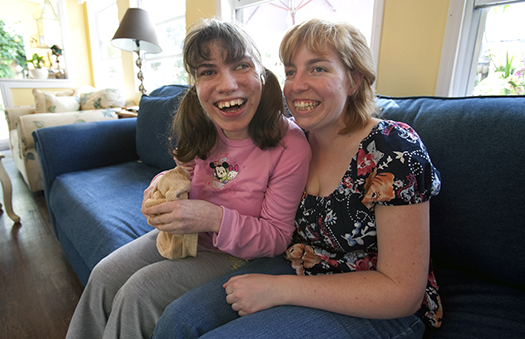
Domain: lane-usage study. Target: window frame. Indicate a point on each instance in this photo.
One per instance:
(226, 11)
(462, 44)
(152, 58)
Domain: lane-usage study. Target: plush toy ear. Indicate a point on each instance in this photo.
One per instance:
(225, 165)
(212, 165)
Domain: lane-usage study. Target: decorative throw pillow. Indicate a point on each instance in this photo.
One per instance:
(56, 102)
(104, 98)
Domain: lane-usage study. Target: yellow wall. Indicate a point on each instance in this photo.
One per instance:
(411, 44)
(78, 29)
(197, 9)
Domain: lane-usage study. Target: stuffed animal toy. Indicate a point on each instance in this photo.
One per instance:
(173, 185)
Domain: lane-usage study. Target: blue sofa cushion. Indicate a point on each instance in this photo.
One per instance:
(98, 210)
(474, 307)
(469, 228)
(154, 122)
(477, 228)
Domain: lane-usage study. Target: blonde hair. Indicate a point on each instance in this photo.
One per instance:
(194, 129)
(351, 47)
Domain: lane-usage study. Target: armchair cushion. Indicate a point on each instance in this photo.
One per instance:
(64, 107)
(13, 113)
(154, 122)
(28, 123)
(56, 102)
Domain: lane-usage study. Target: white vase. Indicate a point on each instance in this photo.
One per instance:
(39, 73)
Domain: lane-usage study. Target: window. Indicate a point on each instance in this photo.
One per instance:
(267, 21)
(169, 17)
(62, 39)
(484, 49)
(38, 30)
(49, 22)
(107, 62)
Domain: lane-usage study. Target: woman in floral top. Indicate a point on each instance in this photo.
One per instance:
(361, 248)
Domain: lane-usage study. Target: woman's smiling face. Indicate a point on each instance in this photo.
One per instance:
(317, 89)
(228, 92)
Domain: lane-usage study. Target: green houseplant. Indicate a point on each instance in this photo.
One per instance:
(37, 61)
(38, 72)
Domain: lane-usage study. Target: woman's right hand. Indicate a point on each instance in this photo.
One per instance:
(252, 293)
(185, 216)
(149, 191)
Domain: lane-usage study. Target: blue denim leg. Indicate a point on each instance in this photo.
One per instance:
(301, 322)
(205, 308)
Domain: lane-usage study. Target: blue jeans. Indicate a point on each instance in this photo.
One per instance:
(204, 312)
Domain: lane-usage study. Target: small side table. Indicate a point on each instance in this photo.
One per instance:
(125, 113)
(8, 192)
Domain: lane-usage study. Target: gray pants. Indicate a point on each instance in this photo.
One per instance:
(129, 289)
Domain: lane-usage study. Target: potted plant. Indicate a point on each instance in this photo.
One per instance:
(38, 71)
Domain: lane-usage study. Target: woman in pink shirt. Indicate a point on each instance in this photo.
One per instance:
(248, 166)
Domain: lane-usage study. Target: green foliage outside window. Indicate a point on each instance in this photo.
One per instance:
(502, 70)
(11, 49)
(505, 80)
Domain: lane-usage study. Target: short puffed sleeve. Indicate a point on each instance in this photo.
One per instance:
(397, 167)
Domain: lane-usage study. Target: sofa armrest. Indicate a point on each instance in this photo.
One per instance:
(13, 113)
(76, 147)
(28, 123)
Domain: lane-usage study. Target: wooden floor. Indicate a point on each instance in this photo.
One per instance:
(38, 289)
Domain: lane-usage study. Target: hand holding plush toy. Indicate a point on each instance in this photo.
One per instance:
(173, 185)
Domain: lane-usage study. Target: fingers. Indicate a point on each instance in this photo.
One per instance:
(166, 226)
(236, 305)
(167, 209)
(232, 298)
(231, 281)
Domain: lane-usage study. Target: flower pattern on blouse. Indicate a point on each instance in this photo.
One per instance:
(337, 233)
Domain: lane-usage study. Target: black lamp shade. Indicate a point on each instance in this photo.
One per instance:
(136, 27)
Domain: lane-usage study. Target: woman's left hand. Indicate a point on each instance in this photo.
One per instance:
(251, 293)
(185, 216)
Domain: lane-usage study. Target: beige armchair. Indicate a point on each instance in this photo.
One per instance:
(23, 120)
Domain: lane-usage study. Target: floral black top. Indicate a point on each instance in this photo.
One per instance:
(337, 233)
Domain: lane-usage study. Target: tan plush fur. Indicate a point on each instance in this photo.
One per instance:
(173, 185)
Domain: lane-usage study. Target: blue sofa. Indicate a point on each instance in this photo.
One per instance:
(95, 174)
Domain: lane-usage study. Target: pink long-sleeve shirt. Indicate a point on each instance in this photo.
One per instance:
(259, 192)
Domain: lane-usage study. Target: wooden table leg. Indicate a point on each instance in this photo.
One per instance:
(8, 192)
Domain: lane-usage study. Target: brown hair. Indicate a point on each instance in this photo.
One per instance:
(351, 47)
(195, 131)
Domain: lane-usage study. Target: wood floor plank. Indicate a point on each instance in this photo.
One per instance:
(38, 288)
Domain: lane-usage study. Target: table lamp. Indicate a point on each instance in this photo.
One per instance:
(136, 33)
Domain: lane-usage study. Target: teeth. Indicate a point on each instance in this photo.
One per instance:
(226, 104)
(305, 105)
